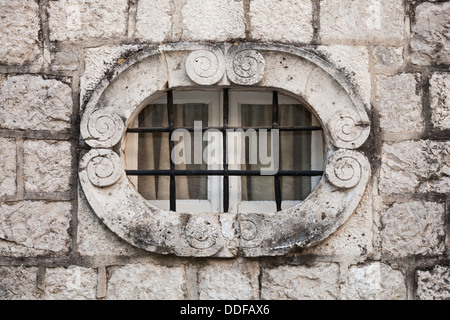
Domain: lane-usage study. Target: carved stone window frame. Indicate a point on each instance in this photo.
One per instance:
(298, 72)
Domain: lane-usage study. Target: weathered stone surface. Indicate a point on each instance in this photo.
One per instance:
(440, 100)
(97, 61)
(229, 280)
(434, 284)
(317, 282)
(81, 20)
(18, 283)
(147, 282)
(374, 281)
(20, 25)
(354, 237)
(94, 238)
(415, 166)
(430, 43)
(413, 228)
(213, 20)
(399, 104)
(7, 167)
(281, 21)
(72, 283)
(47, 165)
(154, 20)
(31, 102)
(388, 57)
(34, 228)
(372, 21)
(354, 62)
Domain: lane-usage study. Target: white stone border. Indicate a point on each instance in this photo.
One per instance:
(292, 70)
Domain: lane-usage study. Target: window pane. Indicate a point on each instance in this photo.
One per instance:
(258, 188)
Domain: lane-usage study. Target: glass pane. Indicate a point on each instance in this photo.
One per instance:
(258, 188)
(295, 188)
(191, 187)
(256, 115)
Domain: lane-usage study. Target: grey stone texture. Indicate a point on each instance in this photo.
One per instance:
(374, 281)
(415, 166)
(83, 19)
(440, 100)
(430, 43)
(317, 282)
(8, 169)
(400, 103)
(31, 102)
(71, 283)
(32, 228)
(229, 280)
(147, 281)
(19, 36)
(413, 228)
(283, 21)
(434, 284)
(375, 21)
(213, 20)
(47, 165)
(18, 283)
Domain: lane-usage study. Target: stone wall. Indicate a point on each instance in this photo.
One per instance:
(396, 55)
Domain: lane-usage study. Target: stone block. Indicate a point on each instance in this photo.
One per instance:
(72, 283)
(374, 281)
(213, 20)
(317, 282)
(229, 280)
(281, 21)
(31, 228)
(413, 228)
(388, 57)
(47, 165)
(20, 26)
(433, 284)
(368, 21)
(415, 166)
(147, 282)
(84, 19)
(440, 100)
(154, 20)
(399, 104)
(31, 102)
(430, 43)
(8, 164)
(18, 283)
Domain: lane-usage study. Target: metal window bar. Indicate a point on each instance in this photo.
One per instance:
(173, 189)
(226, 198)
(277, 183)
(225, 172)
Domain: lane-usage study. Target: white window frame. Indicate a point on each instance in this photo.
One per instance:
(214, 203)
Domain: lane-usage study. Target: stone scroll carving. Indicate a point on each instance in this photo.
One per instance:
(246, 67)
(205, 67)
(348, 129)
(242, 66)
(345, 168)
(201, 234)
(104, 167)
(252, 230)
(104, 129)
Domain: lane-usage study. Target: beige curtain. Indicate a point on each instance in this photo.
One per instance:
(154, 153)
(295, 153)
